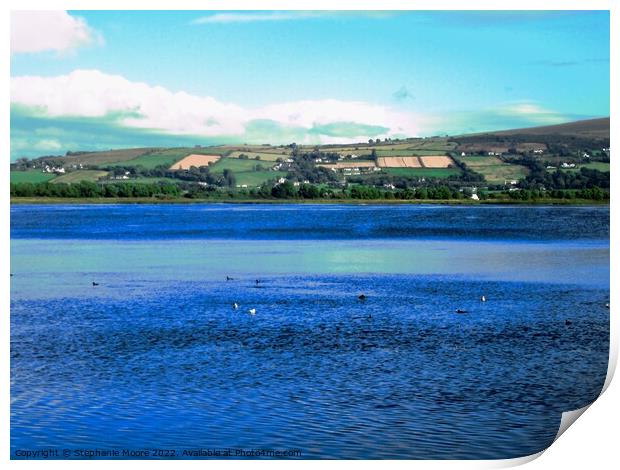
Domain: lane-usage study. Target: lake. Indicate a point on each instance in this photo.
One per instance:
(154, 358)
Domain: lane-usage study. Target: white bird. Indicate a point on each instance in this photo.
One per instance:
(483, 299)
(252, 311)
(235, 305)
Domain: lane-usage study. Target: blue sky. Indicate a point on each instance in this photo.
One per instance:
(116, 78)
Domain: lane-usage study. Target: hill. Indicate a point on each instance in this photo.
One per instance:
(576, 153)
(589, 128)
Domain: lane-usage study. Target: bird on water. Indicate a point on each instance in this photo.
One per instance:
(252, 311)
(235, 305)
(95, 283)
(361, 297)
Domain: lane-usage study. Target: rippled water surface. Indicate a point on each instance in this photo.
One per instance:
(156, 357)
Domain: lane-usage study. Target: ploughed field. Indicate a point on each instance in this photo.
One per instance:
(195, 160)
(431, 161)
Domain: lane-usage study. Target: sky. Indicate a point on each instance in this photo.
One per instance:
(95, 80)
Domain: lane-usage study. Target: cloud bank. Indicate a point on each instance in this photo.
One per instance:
(37, 31)
(92, 93)
(254, 16)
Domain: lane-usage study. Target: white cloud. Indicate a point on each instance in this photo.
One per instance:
(91, 93)
(253, 16)
(531, 111)
(247, 17)
(41, 145)
(36, 31)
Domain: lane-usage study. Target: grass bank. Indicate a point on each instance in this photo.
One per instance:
(150, 200)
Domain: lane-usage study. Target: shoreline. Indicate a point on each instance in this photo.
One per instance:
(360, 202)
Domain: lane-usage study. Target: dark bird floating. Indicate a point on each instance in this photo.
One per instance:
(95, 283)
(228, 278)
(458, 310)
(361, 297)
(568, 322)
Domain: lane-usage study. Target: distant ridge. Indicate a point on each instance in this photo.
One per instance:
(593, 128)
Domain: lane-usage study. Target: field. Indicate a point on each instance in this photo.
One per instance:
(103, 158)
(423, 172)
(350, 164)
(237, 165)
(399, 162)
(31, 176)
(600, 166)
(436, 161)
(413, 147)
(495, 170)
(247, 149)
(152, 160)
(146, 179)
(80, 175)
(244, 171)
(195, 160)
(264, 156)
(256, 178)
(407, 153)
(433, 144)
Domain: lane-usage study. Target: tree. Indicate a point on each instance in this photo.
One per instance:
(283, 190)
(309, 191)
(229, 177)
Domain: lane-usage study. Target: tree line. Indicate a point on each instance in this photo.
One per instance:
(286, 190)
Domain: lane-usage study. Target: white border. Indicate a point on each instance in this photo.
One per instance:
(591, 443)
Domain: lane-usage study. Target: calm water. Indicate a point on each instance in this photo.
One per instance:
(154, 357)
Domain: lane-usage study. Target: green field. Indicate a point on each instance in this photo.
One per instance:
(102, 158)
(423, 172)
(237, 165)
(169, 157)
(146, 179)
(409, 153)
(80, 175)
(493, 169)
(600, 166)
(433, 144)
(152, 160)
(244, 171)
(421, 147)
(30, 176)
(268, 157)
(256, 178)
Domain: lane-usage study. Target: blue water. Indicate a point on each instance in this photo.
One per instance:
(155, 357)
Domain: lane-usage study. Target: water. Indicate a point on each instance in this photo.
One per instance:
(154, 357)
